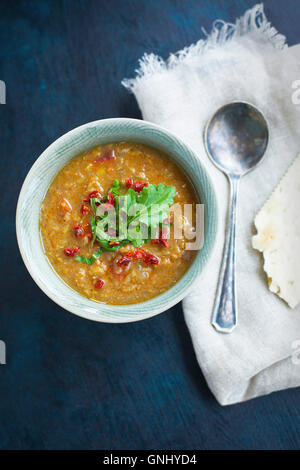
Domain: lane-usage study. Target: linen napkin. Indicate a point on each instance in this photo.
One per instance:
(248, 61)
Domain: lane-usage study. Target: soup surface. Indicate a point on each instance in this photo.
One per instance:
(114, 270)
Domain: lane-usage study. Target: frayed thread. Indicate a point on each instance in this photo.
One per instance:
(253, 21)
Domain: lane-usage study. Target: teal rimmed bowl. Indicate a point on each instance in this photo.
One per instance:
(35, 187)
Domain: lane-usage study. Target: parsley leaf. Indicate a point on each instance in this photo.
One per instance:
(91, 259)
(136, 216)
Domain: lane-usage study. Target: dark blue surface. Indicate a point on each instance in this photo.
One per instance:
(70, 383)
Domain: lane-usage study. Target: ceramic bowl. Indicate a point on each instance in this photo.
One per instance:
(35, 187)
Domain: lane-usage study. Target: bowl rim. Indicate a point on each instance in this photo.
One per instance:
(211, 242)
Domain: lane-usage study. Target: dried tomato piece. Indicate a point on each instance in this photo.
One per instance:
(79, 231)
(139, 254)
(150, 259)
(114, 243)
(129, 182)
(105, 156)
(124, 261)
(110, 198)
(99, 284)
(162, 240)
(139, 186)
(142, 254)
(71, 251)
(84, 209)
(92, 195)
(120, 266)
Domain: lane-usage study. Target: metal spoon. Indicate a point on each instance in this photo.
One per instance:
(236, 139)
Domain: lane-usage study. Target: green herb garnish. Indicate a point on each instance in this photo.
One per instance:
(136, 217)
(91, 259)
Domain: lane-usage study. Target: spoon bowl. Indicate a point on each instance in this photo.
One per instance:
(236, 138)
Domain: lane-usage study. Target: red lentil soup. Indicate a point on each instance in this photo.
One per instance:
(126, 274)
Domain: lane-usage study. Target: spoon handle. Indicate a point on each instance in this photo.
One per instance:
(225, 309)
